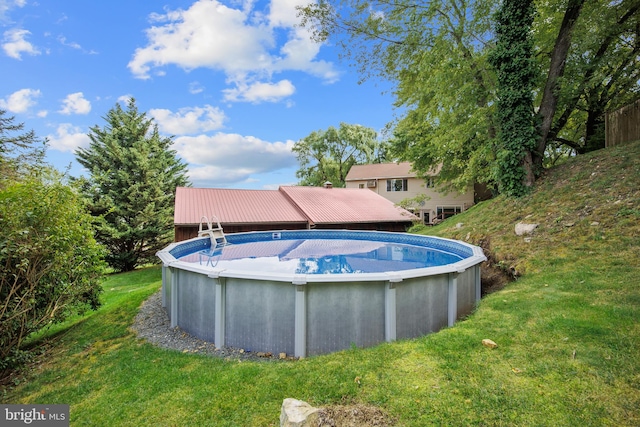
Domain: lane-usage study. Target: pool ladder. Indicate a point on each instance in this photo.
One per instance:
(215, 234)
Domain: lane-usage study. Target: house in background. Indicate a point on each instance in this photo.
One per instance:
(288, 208)
(396, 182)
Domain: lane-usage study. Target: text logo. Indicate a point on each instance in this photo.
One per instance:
(34, 415)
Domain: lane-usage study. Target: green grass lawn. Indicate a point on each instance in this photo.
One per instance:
(568, 334)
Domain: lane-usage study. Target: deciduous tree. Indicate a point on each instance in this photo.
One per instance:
(435, 52)
(601, 73)
(327, 155)
(50, 264)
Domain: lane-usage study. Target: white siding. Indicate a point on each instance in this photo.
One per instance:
(416, 187)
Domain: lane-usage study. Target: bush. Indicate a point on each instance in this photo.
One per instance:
(50, 264)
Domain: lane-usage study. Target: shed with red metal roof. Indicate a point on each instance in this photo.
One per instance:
(288, 208)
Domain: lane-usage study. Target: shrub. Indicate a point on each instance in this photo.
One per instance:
(50, 264)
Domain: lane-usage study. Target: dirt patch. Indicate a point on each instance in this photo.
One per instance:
(493, 275)
(353, 416)
(493, 278)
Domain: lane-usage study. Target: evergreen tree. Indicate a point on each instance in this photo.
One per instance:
(131, 188)
(20, 152)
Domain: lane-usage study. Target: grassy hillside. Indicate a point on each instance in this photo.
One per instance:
(568, 333)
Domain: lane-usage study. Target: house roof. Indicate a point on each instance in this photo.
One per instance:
(344, 205)
(380, 170)
(384, 171)
(232, 206)
(290, 204)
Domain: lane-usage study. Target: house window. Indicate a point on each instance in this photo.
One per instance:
(360, 185)
(429, 183)
(396, 185)
(444, 212)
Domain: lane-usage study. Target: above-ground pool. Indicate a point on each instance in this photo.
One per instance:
(310, 292)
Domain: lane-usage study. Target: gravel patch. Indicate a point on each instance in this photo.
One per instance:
(152, 324)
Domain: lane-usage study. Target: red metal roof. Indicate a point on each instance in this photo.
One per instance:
(313, 205)
(233, 206)
(345, 205)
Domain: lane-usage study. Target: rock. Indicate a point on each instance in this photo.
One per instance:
(523, 228)
(282, 355)
(489, 343)
(296, 413)
(460, 225)
(595, 224)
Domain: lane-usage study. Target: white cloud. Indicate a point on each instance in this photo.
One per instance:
(243, 43)
(195, 88)
(75, 103)
(258, 92)
(228, 158)
(68, 138)
(299, 53)
(200, 176)
(7, 5)
(73, 45)
(124, 99)
(189, 120)
(208, 34)
(282, 13)
(14, 43)
(20, 101)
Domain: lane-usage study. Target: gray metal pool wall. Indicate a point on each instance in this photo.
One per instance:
(303, 318)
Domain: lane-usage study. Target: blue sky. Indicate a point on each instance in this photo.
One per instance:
(236, 83)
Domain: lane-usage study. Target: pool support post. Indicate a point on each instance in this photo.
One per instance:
(174, 298)
(478, 279)
(453, 299)
(390, 319)
(300, 333)
(219, 328)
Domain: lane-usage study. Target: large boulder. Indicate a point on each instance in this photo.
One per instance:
(296, 413)
(523, 228)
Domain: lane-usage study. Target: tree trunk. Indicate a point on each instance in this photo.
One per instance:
(583, 89)
(594, 135)
(556, 70)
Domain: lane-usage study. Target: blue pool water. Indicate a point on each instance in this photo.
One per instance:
(321, 256)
